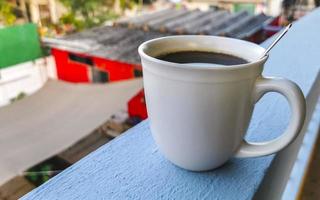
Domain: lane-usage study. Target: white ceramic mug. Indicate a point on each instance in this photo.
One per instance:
(199, 114)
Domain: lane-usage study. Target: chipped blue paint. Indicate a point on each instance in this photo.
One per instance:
(131, 167)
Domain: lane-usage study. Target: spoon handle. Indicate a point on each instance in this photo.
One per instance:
(277, 40)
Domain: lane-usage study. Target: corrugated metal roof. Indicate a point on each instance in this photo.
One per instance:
(252, 25)
(114, 43)
(121, 41)
(212, 22)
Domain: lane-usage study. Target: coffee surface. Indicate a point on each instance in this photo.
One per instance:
(184, 57)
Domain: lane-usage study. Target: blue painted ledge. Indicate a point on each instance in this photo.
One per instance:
(131, 167)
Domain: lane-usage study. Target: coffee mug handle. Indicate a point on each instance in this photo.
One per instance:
(298, 107)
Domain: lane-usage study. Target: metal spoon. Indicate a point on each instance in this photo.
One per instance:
(276, 40)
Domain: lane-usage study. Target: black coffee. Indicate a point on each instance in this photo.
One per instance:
(184, 57)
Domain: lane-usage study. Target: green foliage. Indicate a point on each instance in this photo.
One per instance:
(6, 12)
(127, 4)
(87, 13)
(70, 18)
(20, 96)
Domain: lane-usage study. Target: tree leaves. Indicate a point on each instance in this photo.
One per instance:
(88, 13)
(6, 13)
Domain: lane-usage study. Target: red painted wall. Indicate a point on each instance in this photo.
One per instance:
(69, 70)
(116, 70)
(137, 106)
(73, 71)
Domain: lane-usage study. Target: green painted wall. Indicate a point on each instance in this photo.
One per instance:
(249, 7)
(19, 44)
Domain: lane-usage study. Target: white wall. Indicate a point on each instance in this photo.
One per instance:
(274, 7)
(27, 77)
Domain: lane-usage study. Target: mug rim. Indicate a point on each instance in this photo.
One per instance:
(144, 55)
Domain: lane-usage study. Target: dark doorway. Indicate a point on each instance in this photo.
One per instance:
(99, 76)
